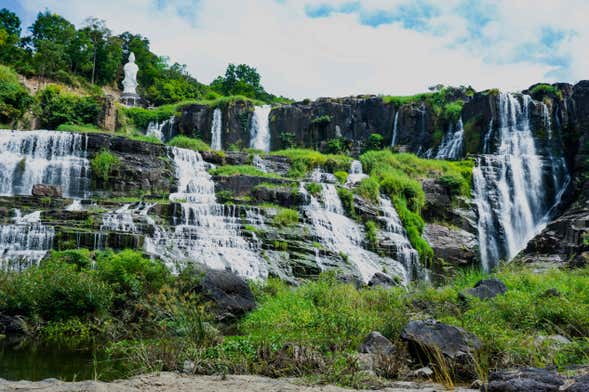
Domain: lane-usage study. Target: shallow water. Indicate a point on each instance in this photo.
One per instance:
(20, 360)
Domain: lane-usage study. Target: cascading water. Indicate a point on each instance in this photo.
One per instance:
(216, 129)
(396, 235)
(512, 193)
(120, 220)
(341, 235)
(452, 143)
(395, 130)
(25, 242)
(260, 129)
(43, 157)
(205, 232)
(355, 175)
(157, 129)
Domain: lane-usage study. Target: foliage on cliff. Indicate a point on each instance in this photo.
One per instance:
(305, 160)
(15, 99)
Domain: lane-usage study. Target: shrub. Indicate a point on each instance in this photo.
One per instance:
(58, 106)
(103, 164)
(15, 99)
(314, 188)
(368, 188)
(304, 160)
(337, 146)
(342, 176)
(189, 143)
(88, 128)
(141, 117)
(81, 258)
(375, 142)
(321, 120)
(287, 140)
(371, 234)
(54, 291)
(452, 111)
(286, 217)
(542, 89)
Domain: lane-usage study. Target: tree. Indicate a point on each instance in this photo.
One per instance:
(10, 30)
(239, 80)
(51, 38)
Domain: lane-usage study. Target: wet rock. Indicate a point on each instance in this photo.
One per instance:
(485, 289)
(524, 380)
(376, 343)
(453, 245)
(382, 280)
(45, 190)
(229, 293)
(12, 325)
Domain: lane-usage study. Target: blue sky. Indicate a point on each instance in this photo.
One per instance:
(306, 48)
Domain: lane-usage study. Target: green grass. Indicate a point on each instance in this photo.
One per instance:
(103, 164)
(89, 128)
(305, 160)
(241, 170)
(286, 217)
(405, 100)
(546, 89)
(189, 143)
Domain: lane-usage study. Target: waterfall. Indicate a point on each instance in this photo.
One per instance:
(259, 163)
(452, 143)
(511, 191)
(260, 128)
(341, 235)
(205, 232)
(216, 129)
(396, 235)
(157, 129)
(25, 242)
(355, 175)
(395, 130)
(56, 158)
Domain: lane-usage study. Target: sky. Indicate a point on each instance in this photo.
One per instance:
(315, 48)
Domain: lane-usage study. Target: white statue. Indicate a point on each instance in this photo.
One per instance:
(130, 82)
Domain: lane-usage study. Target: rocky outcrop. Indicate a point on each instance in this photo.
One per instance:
(524, 380)
(452, 244)
(485, 289)
(44, 190)
(375, 343)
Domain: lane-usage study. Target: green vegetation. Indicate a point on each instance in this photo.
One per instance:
(286, 217)
(189, 143)
(241, 170)
(103, 164)
(338, 145)
(321, 120)
(14, 97)
(398, 176)
(347, 198)
(371, 234)
(342, 176)
(406, 100)
(369, 189)
(543, 89)
(314, 188)
(57, 106)
(375, 142)
(305, 160)
(79, 128)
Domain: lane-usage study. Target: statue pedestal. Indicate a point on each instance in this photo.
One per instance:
(131, 100)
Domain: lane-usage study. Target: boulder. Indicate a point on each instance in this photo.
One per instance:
(229, 293)
(12, 325)
(581, 384)
(432, 335)
(524, 380)
(376, 343)
(485, 289)
(46, 190)
(453, 245)
(382, 280)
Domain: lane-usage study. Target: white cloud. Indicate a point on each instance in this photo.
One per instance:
(301, 57)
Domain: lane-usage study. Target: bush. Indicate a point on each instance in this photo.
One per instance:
(338, 146)
(347, 198)
(189, 143)
(371, 234)
(321, 120)
(287, 140)
(103, 164)
(342, 176)
(131, 275)
(15, 99)
(286, 217)
(57, 107)
(314, 188)
(368, 188)
(88, 128)
(375, 142)
(141, 117)
(542, 89)
(54, 291)
(304, 160)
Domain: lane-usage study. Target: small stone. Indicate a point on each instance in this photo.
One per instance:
(485, 289)
(188, 367)
(424, 372)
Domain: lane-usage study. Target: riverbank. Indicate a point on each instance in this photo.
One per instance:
(168, 381)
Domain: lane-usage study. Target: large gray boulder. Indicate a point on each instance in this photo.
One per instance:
(485, 289)
(524, 380)
(376, 343)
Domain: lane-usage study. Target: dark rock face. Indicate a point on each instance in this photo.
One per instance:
(196, 121)
(581, 384)
(524, 380)
(12, 325)
(375, 343)
(45, 190)
(453, 342)
(453, 245)
(230, 294)
(314, 123)
(485, 289)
